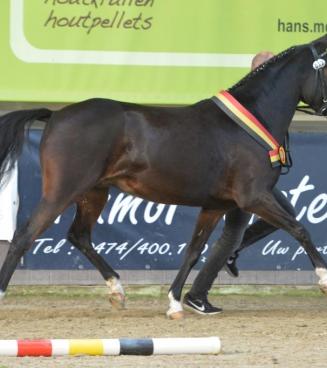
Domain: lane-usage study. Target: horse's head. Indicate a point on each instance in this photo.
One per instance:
(314, 88)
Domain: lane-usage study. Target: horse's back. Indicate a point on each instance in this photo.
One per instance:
(165, 154)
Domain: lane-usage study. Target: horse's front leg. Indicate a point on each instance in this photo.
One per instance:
(257, 231)
(260, 229)
(206, 222)
(270, 209)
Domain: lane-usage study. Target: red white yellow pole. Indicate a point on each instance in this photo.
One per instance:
(155, 346)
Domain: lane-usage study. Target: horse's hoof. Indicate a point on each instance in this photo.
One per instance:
(175, 310)
(175, 315)
(323, 288)
(2, 296)
(117, 300)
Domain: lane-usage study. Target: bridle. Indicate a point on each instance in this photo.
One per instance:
(318, 66)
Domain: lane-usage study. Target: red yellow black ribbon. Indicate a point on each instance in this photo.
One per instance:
(245, 119)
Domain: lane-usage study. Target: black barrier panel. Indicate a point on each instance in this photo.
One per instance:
(135, 234)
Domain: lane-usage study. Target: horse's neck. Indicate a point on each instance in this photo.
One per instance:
(272, 97)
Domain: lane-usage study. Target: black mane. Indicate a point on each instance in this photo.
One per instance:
(263, 67)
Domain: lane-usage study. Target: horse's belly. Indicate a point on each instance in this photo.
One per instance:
(161, 191)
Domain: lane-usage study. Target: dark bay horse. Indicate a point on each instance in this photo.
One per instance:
(194, 155)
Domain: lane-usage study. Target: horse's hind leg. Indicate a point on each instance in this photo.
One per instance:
(45, 213)
(89, 207)
(268, 207)
(206, 222)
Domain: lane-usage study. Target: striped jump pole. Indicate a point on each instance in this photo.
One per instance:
(155, 346)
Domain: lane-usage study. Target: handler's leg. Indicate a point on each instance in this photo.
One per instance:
(235, 224)
(206, 222)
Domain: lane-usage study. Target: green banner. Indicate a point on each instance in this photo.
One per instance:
(148, 51)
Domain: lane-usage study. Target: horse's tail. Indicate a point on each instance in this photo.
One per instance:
(12, 135)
